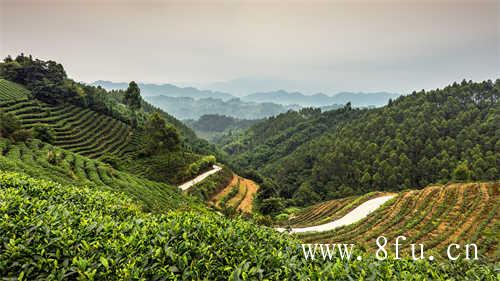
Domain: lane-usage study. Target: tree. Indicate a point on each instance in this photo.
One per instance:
(9, 124)
(366, 179)
(462, 172)
(271, 205)
(305, 195)
(132, 96)
(160, 136)
(10, 127)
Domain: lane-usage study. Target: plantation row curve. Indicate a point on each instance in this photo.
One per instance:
(435, 216)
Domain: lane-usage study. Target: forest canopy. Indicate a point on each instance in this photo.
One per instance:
(448, 134)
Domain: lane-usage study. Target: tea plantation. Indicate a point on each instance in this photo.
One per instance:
(45, 161)
(50, 231)
(12, 91)
(435, 216)
(87, 193)
(76, 129)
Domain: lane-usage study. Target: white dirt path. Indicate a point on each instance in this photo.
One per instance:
(353, 216)
(185, 186)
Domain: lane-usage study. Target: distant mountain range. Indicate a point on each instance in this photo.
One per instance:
(320, 100)
(166, 90)
(280, 97)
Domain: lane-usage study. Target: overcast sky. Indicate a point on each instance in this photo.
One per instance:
(330, 46)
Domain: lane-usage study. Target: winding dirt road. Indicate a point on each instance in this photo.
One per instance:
(185, 186)
(353, 216)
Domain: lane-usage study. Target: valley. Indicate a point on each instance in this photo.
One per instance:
(264, 140)
(128, 191)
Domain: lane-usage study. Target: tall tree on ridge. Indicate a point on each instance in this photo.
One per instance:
(132, 96)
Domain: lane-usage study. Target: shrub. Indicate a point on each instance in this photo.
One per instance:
(113, 160)
(53, 157)
(21, 135)
(44, 133)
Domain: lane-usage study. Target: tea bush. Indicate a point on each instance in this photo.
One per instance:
(50, 231)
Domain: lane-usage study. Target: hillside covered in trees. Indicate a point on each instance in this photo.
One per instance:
(38, 100)
(448, 134)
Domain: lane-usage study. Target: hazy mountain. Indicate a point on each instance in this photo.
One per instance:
(190, 108)
(281, 97)
(168, 90)
(321, 100)
(284, 97)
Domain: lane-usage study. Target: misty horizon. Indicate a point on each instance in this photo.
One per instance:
(243, 48)
(237, 95)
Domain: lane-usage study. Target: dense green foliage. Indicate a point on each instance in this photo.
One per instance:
(160, 137)
(68, 216)
(203, 164)
(44, 161)
(92, 122)
(422, 138)
(44, 133)
(10, 127)
(83, 233)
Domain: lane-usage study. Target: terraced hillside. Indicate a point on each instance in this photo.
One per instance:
(238, 194)
(435, 216)
(77, 129)
(12, 91)
(48, 162)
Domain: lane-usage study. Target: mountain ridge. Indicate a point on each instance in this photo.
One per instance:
(281, 96)
(357, 99)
